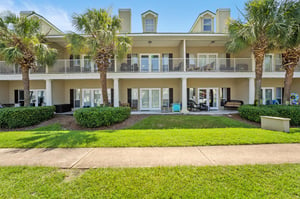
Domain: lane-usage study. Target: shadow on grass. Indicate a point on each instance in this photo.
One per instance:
(63, 139)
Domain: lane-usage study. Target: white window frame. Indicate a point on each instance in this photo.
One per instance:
(207, 57)
(93, 97)
(36, 96)
(150, 97)
(272, 62)
(211, 24)
(149, 27)
(263, 94)
(149, 61)
(207, 97)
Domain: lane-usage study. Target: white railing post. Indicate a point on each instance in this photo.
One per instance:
(115, 63)
(234, 65)
(184, 55)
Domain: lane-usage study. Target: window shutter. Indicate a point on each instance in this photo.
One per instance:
(228, 94)
(227, 59)
(188, 93)
(170, 62)
(16, 96)
(170, 96)
(129, 96)
(112, 96)
(71, 60)
(72, 98)
(128, 60)
(282, 95)
(187, 56)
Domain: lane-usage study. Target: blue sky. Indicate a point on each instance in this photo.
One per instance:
(174, 16)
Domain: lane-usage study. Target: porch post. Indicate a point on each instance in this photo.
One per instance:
(116, 92)
(184, 55)
(251, 90)
(184, 95)
(48, 92)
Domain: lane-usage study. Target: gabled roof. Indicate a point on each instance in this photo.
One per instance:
(45, 20)
(201, 15)
(149, 12)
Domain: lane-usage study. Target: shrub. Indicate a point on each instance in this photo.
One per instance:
(101, 116)
(24, 116)
(253, 113)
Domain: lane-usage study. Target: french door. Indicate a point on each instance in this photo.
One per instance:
(207, 61)
(208, 97)
(37, 98)
(267, 95)
(150, 99)
(150, 63)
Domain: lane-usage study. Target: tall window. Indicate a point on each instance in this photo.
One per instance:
(149, 25)
(207, 24)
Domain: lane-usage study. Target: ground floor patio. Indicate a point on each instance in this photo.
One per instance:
(146, 96)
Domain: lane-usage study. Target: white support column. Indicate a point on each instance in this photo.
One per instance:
(184, 55)
(251, 90)
(48, 92)
(116, 92)
(184, 95)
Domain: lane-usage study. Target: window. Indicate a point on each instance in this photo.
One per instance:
(207, 24)
(267, 95)
(279, 95)
(149, 25)
(166, 101)
(268, 63)
(207, 62)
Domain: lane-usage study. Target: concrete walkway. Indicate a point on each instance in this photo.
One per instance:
(152, 156)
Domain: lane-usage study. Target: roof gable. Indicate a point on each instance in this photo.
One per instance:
(201, 15)
(48, 23)
(149, 12)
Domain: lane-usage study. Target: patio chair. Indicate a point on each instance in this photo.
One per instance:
(193, 106)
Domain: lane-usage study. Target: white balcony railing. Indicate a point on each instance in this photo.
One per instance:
(67, 66)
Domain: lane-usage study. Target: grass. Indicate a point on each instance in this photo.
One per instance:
(145, 138)
(188, 122)
(50, 127)
(258, 181)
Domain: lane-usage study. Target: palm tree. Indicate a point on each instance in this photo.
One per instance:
(21, 43)
(257, 32)
(100, 41)
(290, 42)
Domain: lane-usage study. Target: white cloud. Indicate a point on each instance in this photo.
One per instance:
(57, 16)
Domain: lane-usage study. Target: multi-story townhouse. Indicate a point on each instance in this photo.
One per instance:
(162, 68)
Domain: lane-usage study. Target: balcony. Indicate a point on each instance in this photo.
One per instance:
(157, 65)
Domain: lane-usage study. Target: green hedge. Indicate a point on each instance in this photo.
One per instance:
(101, 116)
(253, 113)
(24, 116)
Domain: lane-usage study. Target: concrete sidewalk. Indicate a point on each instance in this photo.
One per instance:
(152, 156)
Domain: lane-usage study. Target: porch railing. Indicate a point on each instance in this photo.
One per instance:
(67, 66)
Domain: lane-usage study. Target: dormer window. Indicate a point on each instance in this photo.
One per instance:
(207, 24)
(149, 19)
(149, 25)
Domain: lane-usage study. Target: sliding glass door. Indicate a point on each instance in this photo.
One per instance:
(208, 97)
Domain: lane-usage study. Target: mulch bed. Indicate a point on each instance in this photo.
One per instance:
(239, 118)
(68, 123)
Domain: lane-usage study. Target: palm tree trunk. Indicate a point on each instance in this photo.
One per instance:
(289, 73)
(103, 80)
(259, 60)
(290, 60)
(25, 79)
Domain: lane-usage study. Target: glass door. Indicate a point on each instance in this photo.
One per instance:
(208, 97)
(154, 63)
(150, 99)
(267, 95)
(97, 98)
(145, 99)
(87, 98)
(144, 63)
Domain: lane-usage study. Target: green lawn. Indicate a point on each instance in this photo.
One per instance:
(188, 122)
(259, 181)
(145, 138)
